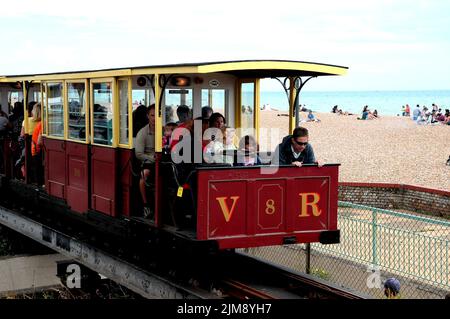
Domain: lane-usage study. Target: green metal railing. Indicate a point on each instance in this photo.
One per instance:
(408, 244)
(412, 247)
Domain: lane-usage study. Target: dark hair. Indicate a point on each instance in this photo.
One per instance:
(206, 110)
(214, 117)
(247, 140)
(183, 109)
(151, 107)
(300, 132)
(172, 124)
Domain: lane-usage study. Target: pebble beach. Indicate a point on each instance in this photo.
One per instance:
(389, 149)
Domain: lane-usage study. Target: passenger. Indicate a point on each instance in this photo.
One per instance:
(32, 120)
(139, 119)
(184, 114)
(217, 120)
(216, 150)
(36, 146)
(247, 155)
(167, 136)
(392, 288)
(16, 120)
(295, 149)
(4, 123)
(207, 111)
(145, 153)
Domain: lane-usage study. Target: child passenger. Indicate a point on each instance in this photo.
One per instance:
(167, 136)
(247, 155)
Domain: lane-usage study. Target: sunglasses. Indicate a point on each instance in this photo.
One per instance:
(300, 143)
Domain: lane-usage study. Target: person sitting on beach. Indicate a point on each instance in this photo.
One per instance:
(407, 110)
(312, 118)
(295, 150)
(448, 161)
(334, 109)
(372, 115)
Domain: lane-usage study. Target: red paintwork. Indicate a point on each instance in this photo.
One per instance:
(104, 180)
(267, 207)
(126, 180)
(77, 176)
(55, 167)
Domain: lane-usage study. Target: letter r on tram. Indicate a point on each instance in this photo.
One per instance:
(313, 204)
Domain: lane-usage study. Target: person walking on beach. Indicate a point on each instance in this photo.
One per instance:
(416, 112)
(295, 150)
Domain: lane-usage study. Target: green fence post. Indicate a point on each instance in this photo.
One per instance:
(374, 237)
(308, 258)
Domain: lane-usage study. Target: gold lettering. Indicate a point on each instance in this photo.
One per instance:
(270, 207)
(304, 204)
(227, 213)
(76, 172)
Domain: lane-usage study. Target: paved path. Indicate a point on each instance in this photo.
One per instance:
(26, 273)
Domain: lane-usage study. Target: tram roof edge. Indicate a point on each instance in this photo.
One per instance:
(258, 68)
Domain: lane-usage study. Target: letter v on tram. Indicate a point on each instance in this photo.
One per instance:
(91, 173)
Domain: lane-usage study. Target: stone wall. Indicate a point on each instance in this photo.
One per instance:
(397, 196)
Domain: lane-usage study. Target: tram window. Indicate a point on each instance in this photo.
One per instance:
(247, 105)
(76, 98)
(173, 99)
(217, 99)
(55, 110)
(123, 108)
(140, 97)
(14, 97)
(44, 108)
(102, 109)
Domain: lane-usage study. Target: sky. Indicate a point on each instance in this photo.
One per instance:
(387, 44)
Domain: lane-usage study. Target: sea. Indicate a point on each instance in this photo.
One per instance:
(385, 102)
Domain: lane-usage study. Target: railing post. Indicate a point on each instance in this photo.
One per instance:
(374, 238)
(308, 258)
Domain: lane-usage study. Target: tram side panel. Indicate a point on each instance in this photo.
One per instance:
(245, 208)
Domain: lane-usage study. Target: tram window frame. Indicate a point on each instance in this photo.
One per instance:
(114, 127)
(128, 115)
(210, 96)
(167, 93)
(44, 108)
(50, 133)
(85, 107)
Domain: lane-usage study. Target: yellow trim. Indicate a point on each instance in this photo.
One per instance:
(272, 65)
(128, 79)
(91, 109)
(130, 113)
(256, 109)
(116, 114)
(158, 117)
(45, 133)
(237, 103)
(25, 105)
(292, 92)
(65, 111)
(86, 109)
(166, 70)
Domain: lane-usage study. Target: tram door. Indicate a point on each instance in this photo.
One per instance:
(77, 145)
(103, 155)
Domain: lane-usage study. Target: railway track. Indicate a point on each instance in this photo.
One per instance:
(230, 275)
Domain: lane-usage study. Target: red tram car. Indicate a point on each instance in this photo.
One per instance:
(91, 171)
